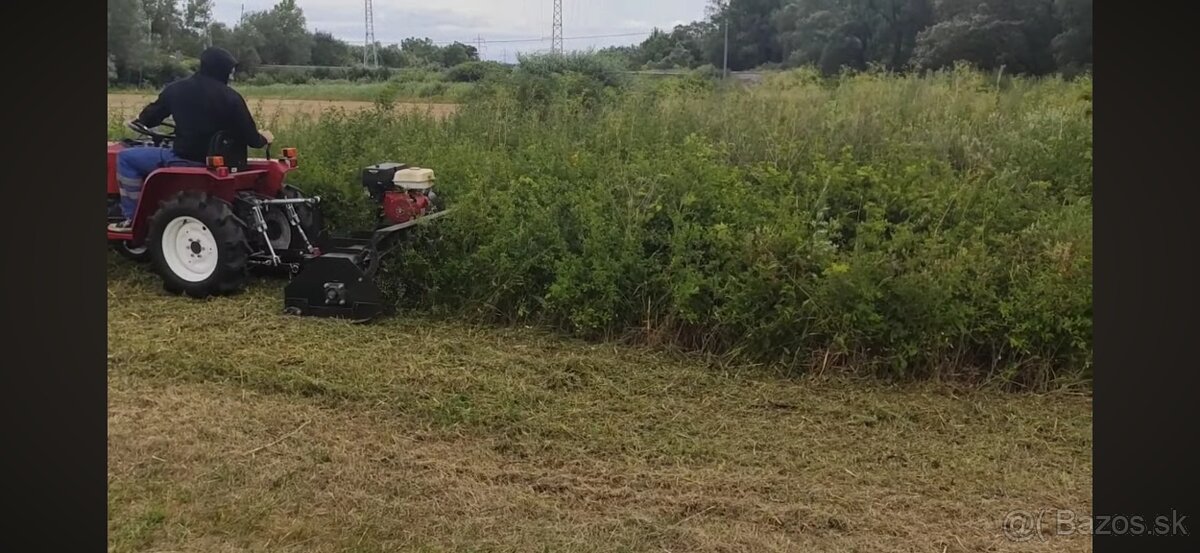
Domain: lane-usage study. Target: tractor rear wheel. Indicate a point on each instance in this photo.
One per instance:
(310, 219)
(197, 246)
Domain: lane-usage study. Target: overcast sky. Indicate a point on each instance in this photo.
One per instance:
(491, 20)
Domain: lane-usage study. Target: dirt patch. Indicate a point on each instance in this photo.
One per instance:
(128, 106)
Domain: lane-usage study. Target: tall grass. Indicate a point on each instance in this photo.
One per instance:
(903, 226)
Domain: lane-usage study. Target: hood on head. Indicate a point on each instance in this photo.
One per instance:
(217, 63)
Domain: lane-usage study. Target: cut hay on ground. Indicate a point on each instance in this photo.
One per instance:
(235, 428)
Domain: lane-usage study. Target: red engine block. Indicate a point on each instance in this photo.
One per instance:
(401, 206)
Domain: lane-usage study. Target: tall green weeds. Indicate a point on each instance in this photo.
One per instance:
(905, 226)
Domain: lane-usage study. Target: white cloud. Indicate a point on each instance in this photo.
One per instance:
(464, 20)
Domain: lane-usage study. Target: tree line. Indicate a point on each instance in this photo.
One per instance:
(157, 41)
(1023, 36)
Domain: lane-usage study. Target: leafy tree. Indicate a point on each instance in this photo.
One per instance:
(982, 40)
(1073, 47)
(854, 33)
(285, 40)
(456, 53)
(901, 22)
(844, 50)
(198, 15)
(751, 34)
(422, 50)
(166, 22)
(245, 42)
(128, 36)
(804, 28)
(327, 50)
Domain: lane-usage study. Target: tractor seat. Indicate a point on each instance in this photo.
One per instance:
(232, 150)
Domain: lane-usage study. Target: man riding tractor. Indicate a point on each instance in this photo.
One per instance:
(203, 213)
(210, 117)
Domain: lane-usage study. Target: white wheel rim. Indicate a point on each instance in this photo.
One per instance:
(135, 251)
(189, 248)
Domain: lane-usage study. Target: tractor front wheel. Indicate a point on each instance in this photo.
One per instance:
(139, 254)
(197, 246)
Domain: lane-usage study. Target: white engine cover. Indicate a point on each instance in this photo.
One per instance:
(414, 178)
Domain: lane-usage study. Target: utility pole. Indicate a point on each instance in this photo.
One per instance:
(725, 67)
(370, 54)
(479, 46)
(556, 32)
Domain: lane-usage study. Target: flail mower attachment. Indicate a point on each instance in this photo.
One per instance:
(339, 280)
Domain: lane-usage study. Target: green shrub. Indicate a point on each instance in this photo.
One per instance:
(417, 75)
(474, 71)
(602, 69)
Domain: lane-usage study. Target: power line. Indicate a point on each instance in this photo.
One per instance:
(584, 37)
(542, 39)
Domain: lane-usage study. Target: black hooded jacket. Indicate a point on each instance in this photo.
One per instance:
(203, 105)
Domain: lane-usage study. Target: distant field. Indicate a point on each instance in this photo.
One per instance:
(127, 105)
(432, 92)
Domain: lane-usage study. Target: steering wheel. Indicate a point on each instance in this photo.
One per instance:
(157, 137)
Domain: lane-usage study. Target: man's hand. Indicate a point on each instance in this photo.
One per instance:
(267, 136)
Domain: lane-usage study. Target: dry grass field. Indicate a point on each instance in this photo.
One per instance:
(235, 428)
(127, 106)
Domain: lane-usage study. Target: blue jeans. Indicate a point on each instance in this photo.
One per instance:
(135, 164)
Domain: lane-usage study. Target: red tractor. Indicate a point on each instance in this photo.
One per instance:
(202, 228)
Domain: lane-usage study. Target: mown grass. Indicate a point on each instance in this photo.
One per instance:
(235, 428)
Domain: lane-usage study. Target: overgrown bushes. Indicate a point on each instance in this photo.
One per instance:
(473, 71)
(903, 226)
(307, 75)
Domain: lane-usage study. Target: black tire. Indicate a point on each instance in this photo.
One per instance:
(139, 255)
(206, 224)
(280, 231)
(310, 219)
